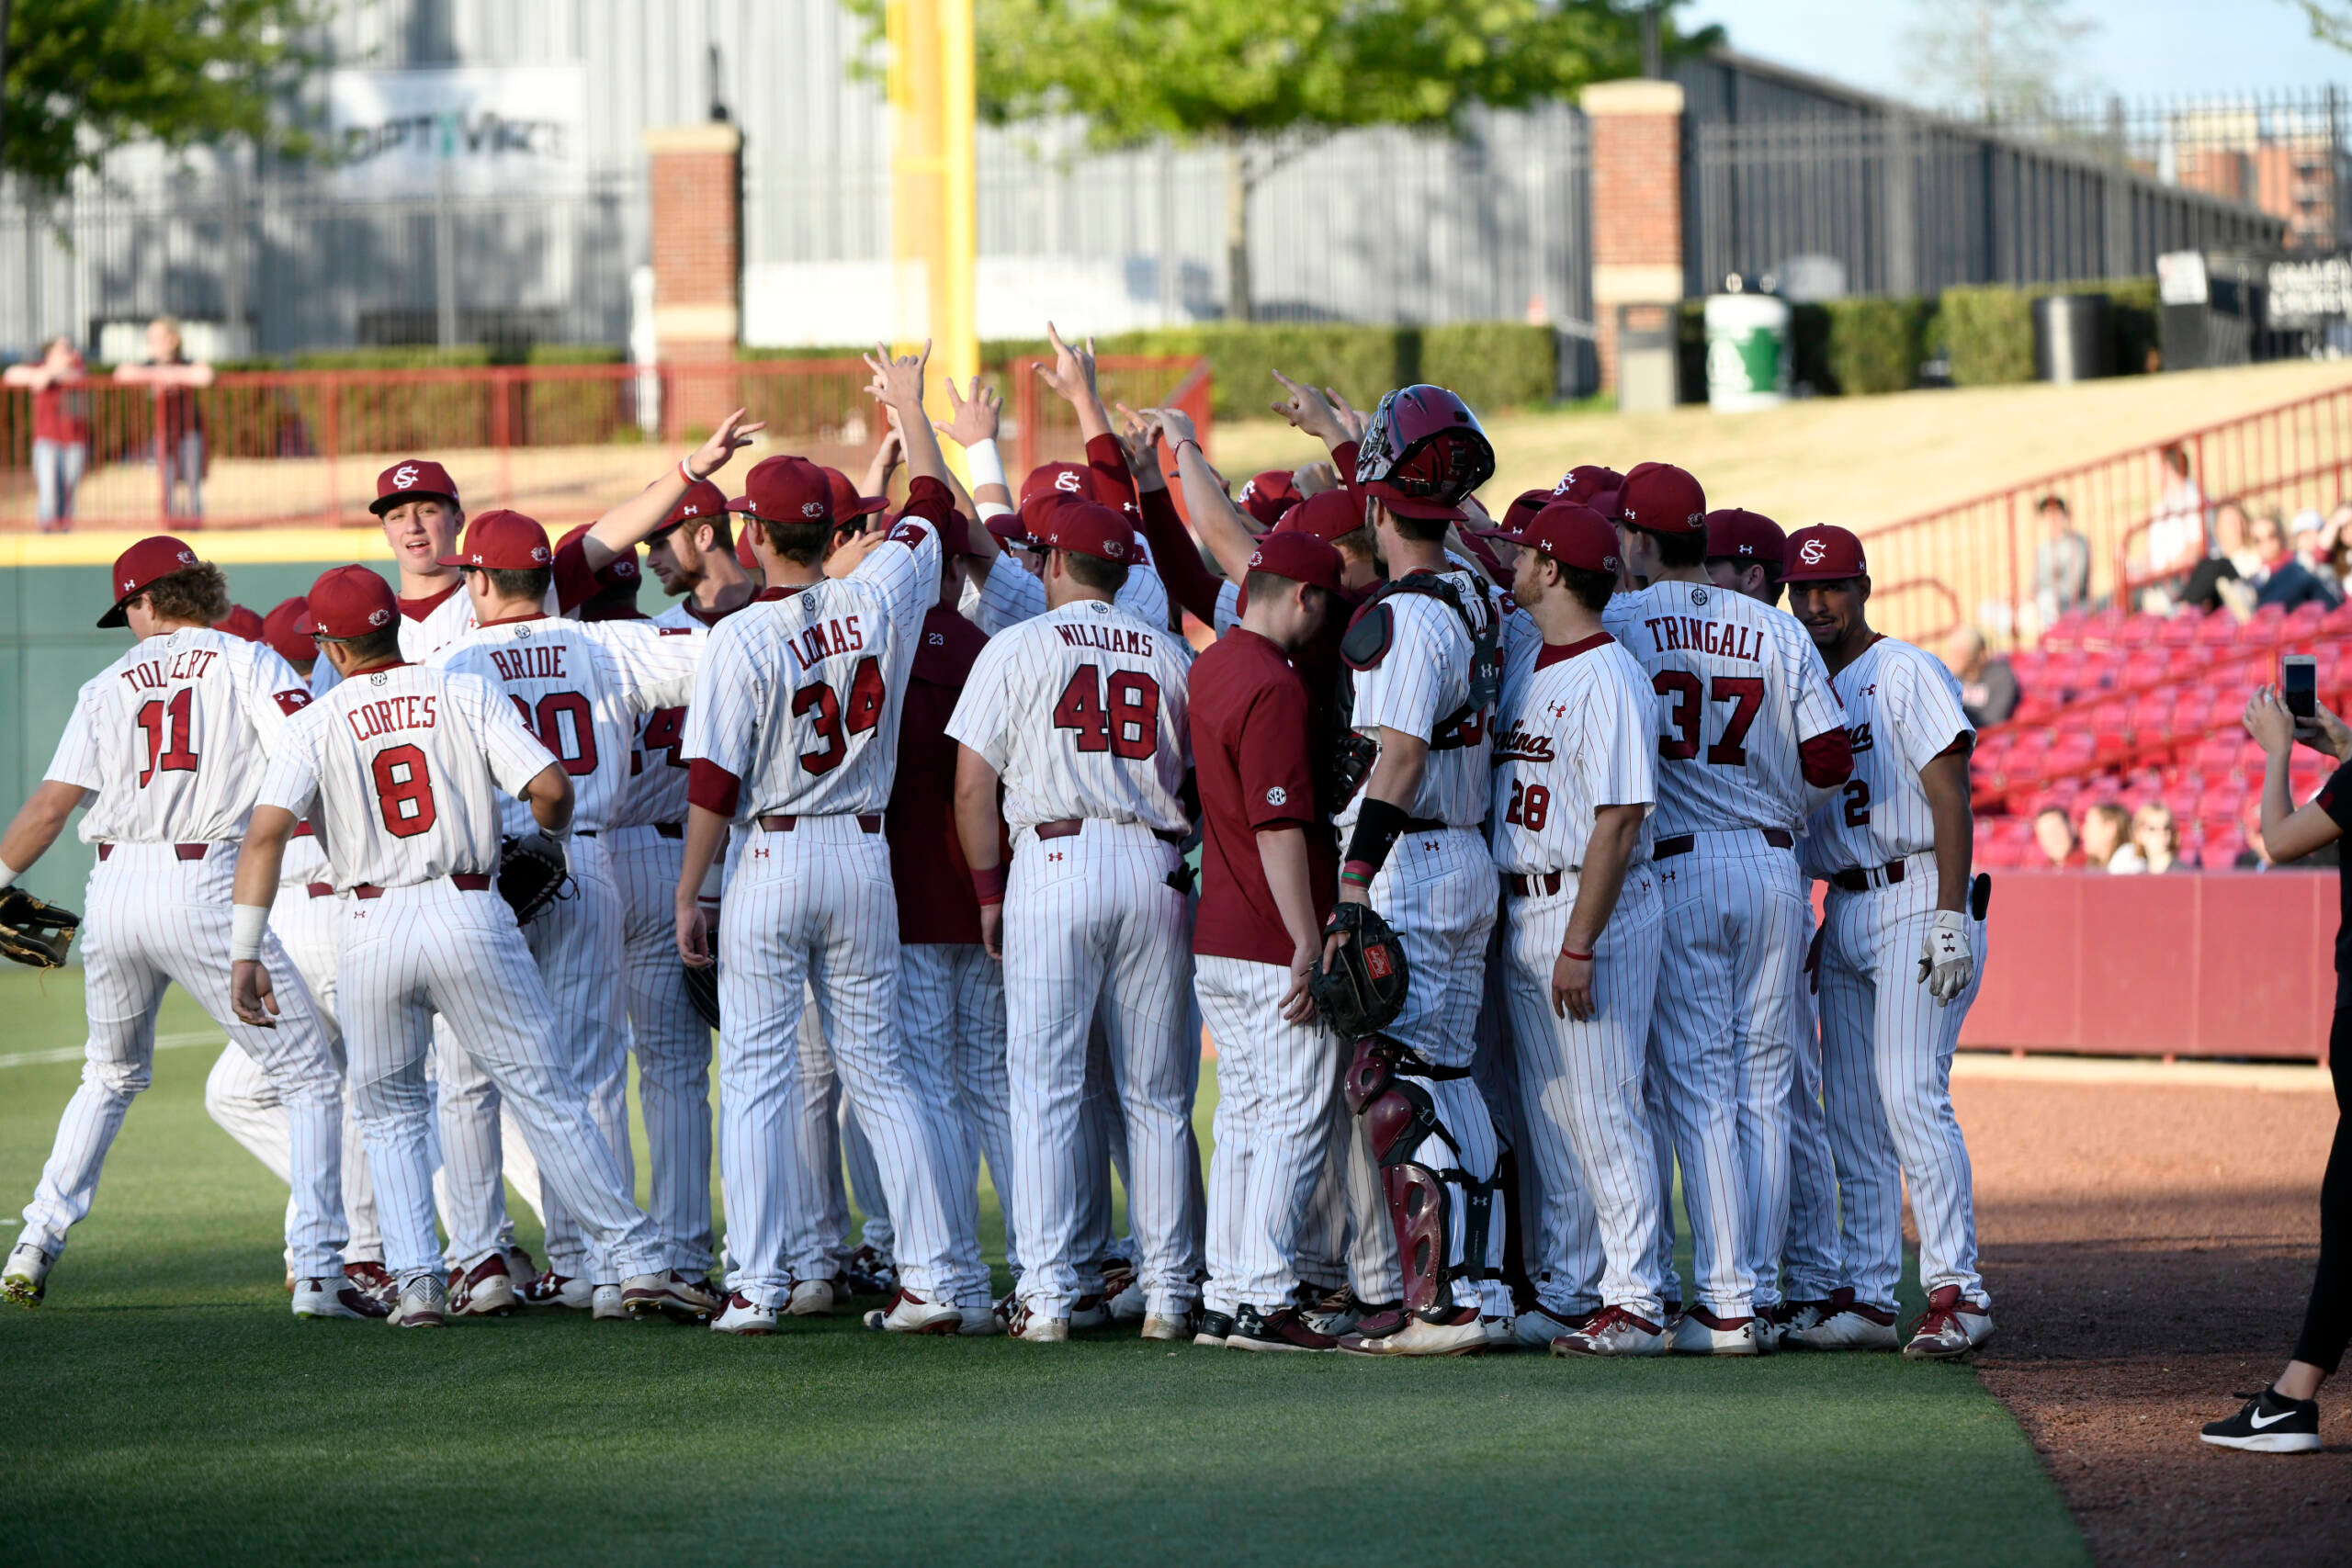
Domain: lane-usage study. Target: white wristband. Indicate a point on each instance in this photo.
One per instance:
(992, 508)
(8, 874)
(247, 922)
(987, 466)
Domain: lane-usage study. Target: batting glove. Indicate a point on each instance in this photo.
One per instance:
(1946, 964)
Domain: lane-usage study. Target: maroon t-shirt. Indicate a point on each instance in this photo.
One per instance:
(62, 413)
(1251, 729)
(934, 885)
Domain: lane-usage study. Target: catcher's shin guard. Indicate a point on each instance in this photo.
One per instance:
(1447, 1224)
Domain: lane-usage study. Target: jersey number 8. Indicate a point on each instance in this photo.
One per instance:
(1126, 724)
(404, 791)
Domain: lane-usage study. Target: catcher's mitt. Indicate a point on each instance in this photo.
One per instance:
(531, 874)
(33, 930)
(1362, 989)
(702, 989)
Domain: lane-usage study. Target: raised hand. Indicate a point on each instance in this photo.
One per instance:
(973, 419)
(899, 381)
(1307, 409)
(733, 436)
(1071, 375)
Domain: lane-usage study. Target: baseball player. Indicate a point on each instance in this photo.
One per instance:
(1748, 728)
(1080, 715)
(1902, 954)
(794, 727)
(1268, 866)
(1746, 553)
(166, 747)
(400, 767)
(1424, 656)
(1575, 739)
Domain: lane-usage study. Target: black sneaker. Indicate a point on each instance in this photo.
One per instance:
(1283, 1329)
(2270, 1424)
(1215, 1330)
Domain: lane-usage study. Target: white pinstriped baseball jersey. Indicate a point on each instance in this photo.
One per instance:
(1082, 711)
(1902, 712)
(1739, 687)
(582, 690)
(1012, 594)
(167, 735)
(656, 790)
(799, 691)
(1572, 733)
(392, 761)
(1423, 677)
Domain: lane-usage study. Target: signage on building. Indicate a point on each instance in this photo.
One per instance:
(2307, 293)
(493, 131)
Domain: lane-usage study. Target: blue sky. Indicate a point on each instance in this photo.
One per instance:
(2141, 46)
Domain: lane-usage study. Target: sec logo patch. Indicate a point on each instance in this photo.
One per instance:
(1277, 796)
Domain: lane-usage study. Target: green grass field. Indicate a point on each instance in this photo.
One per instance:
(163, 1406)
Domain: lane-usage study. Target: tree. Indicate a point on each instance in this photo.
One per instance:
(2331, 20)
(1995, 60)
(1263, 80)
(85, 76)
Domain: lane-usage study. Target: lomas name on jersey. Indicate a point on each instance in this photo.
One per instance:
(823, 639)
(1689, 633)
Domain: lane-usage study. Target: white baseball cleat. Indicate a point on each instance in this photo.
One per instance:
(1420, 1337)
(484, 1290)
(1701, 1333)
(738, 1315)
(811, 1298)
(1613, 1331)
(424, 1303)
(670, 1294)
(1950, 1328)
(1031, 1329)
(1090, 1312)
(335, 1298)
(608, 1303)
(1538, 1325)
(554, 1289)
(26, 1278)
(909, 1313)
(1170, 1326)
(1845, 1324)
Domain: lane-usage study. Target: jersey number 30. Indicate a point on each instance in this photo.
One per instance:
(1122, 720)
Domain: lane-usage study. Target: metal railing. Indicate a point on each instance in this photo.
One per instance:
(561, 442)
(2295, 455)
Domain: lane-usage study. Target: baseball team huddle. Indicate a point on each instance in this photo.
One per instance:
(1482, 846)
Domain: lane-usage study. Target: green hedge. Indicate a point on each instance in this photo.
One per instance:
(1989, 327)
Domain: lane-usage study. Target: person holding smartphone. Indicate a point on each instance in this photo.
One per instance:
(2284, 1418)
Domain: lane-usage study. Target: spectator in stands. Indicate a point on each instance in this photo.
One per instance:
(2255, 856)
(2106, 829)
(1988, 688)
(2279, 578)
(2309, 532)
(2335, 547)
(2176, 535)
(179, 419)
(2156, 840)
(2062, 562)
(2053, 835)
(60, 429)
(2230, 560)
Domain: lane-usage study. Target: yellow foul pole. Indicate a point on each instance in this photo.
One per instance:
(932, 219)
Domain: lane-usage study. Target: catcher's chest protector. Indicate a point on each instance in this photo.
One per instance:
(1367, 643)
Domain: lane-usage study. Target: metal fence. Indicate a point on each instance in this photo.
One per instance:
(1912, 205)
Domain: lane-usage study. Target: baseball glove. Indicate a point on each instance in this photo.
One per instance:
(33, 930)
(1362, 989)
(531, 874)
(702, 989)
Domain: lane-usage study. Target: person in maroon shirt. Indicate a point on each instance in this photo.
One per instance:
(1269, 869)
(60, 429)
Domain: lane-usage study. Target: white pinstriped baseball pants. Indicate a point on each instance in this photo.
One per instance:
(814, 907)
(1886, 1054)
(1723, 1047)
(951, 999)
(1592, 1238)
(832, 1145)
(1809, 1258)
(152, 918)
(672, 1042)
(1093, 931)
(582, 957)
(1273, 1130)
(434, 948)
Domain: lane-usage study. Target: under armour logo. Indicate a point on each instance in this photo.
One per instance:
(760, 852)
(1055, 854)
(690, 510)
(1559, 710)
(1750, 549)
(405, 476)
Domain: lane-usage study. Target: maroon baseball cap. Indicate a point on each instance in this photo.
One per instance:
(702, 502)
(282, 629)
(348, 602)
(502, 541)
(408, 480)
(1038, 509)
(1587, 481)
(743, 555)
(791, 491)
(1266, 496)
(240, 622)
(1523, 506)
(1330, 516)
(1299, 555)
(1070, 478)
(148, 561)
(1089, 529)
(1419, 507)
(1662, 499)
(847, 502)
(1823, 553)
(1572, 534)
(1736, 533)
(619, 573)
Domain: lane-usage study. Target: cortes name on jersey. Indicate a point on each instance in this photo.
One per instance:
(387, 715)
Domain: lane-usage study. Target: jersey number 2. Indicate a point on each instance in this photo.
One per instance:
(1857, 803)
(404, 791)
(1124, 723)
(174, 757)
(1745, 693)
(833, 727)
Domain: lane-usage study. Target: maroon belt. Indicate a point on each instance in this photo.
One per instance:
(1683, 843)
(319, 889)
(465, 881)
(1518, 887)
(1069, 826)
(670, 830)
(1857, 879)
(185, 852)
(868, 822)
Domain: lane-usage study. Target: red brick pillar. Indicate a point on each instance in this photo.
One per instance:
(696, 222)
(1637, 130)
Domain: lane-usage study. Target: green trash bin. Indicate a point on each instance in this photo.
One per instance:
(1747, 352)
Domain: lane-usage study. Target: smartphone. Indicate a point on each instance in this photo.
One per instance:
(2299, 684)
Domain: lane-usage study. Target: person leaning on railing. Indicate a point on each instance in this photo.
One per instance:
(60, 429)
(179, 419)
(2284, 1418)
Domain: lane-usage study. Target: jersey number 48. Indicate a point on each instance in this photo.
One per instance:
(1121, 717)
